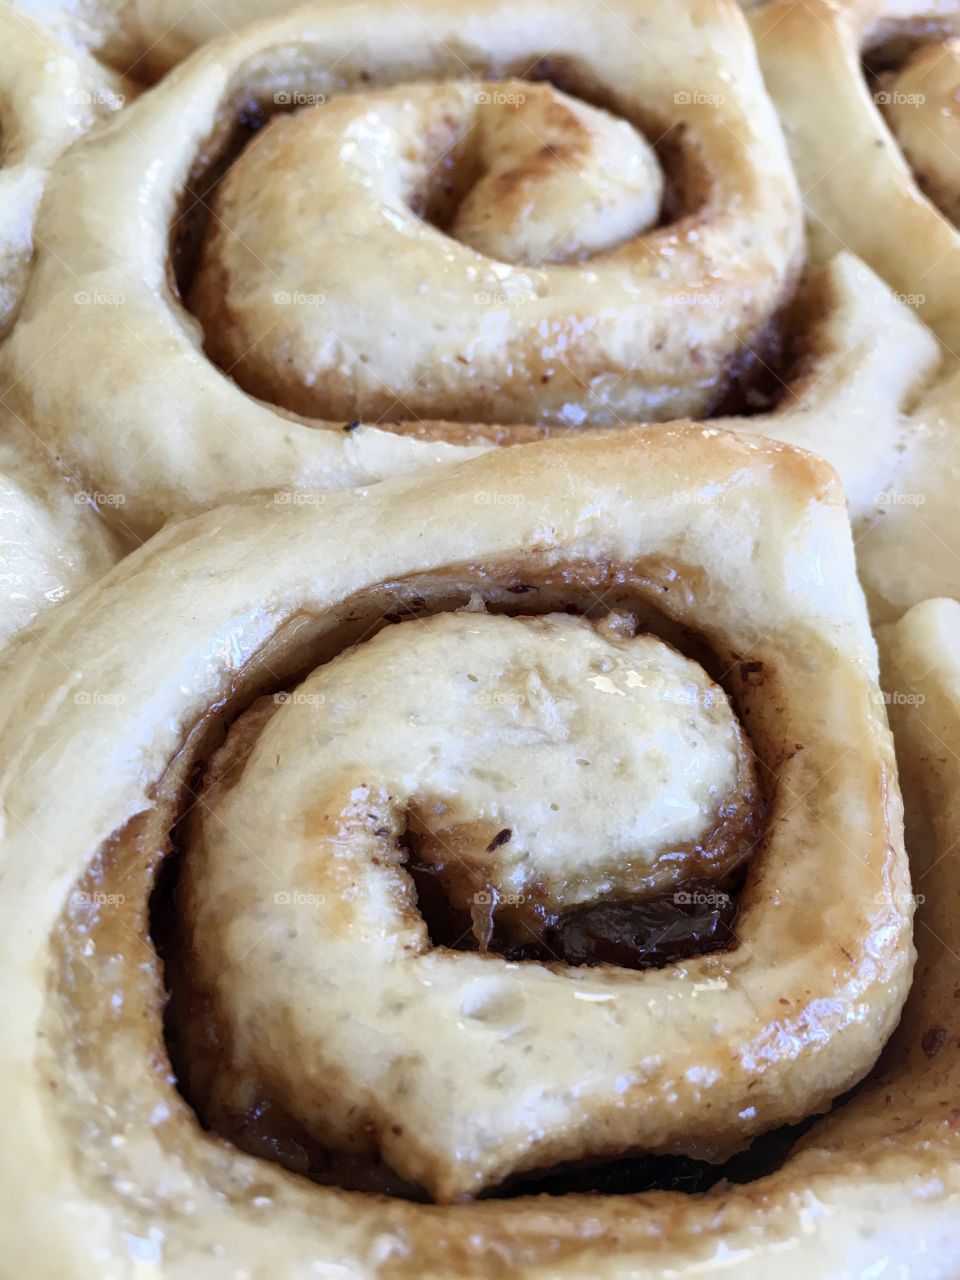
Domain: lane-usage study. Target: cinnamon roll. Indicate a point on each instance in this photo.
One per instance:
(49, 97)
(540, 811)
(427, 243)
(867, 91)
(250, 340)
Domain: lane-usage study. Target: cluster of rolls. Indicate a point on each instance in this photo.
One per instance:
(477, 490)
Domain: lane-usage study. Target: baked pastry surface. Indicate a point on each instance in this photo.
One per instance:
(476, 795)
(490, 327)
(52, 541)
(427, 326)
(590, 522)
(51, 95)
(871, 142)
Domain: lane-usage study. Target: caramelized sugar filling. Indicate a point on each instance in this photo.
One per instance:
(891, 43)
(695, 918)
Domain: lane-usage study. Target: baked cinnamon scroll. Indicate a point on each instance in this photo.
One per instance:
(868, 94)
(558, 226)
(435, 241)
(542, 812)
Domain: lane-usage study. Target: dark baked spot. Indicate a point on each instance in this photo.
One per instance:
(933, 1040)
(501, 838)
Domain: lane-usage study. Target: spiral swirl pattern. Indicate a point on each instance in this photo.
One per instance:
(161, 428)
(489, 330)
(376, 860)
(543, 765)
(800, 1006)
(474, 322)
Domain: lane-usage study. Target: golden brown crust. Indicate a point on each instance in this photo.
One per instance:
(544, 290)
(734, 550)
(162, 428)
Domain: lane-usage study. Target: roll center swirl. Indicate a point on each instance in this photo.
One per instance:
(488, 252)
(544, 763)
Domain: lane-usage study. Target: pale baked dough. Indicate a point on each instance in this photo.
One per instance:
(548, 764)
(52, 542)
(145, 38)
(921, 102)
(160, 422)
(878, 398)
(160, 426)
(859, 190)
(746, 542)
(49, 96)
(542, 301)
